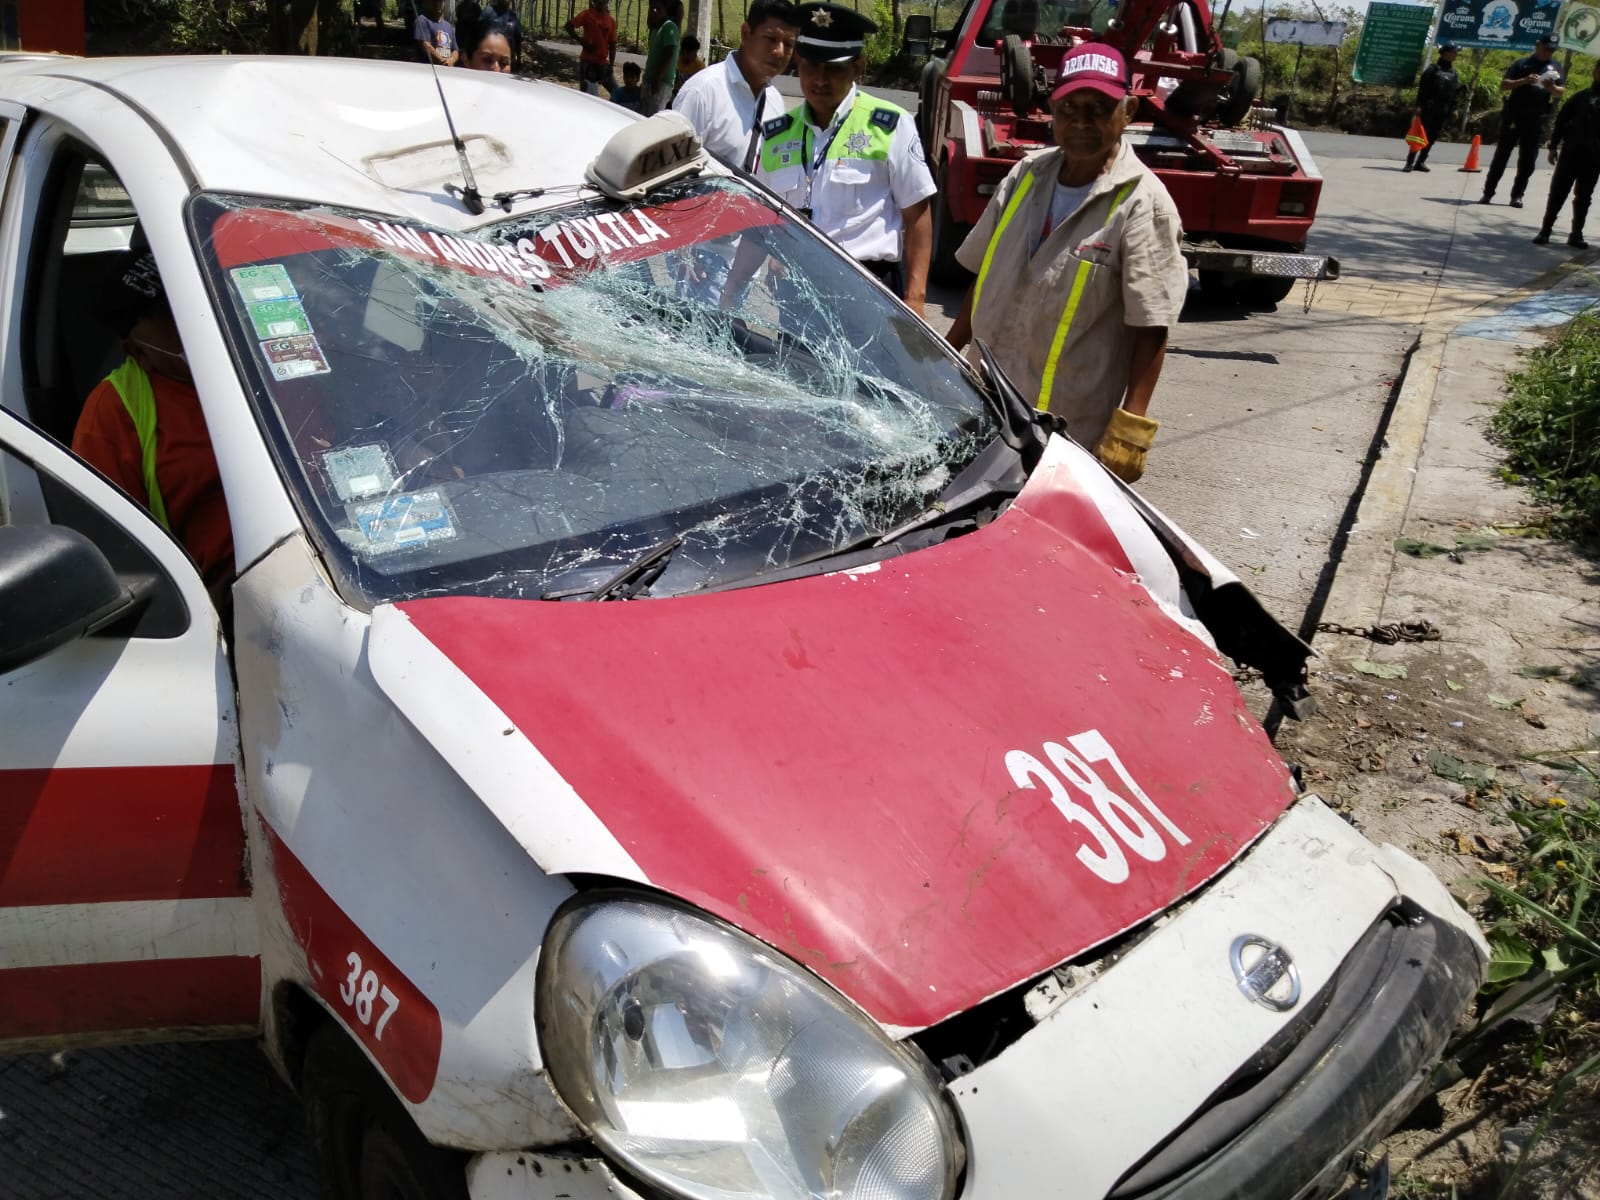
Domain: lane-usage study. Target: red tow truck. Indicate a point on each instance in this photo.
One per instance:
(1245, 188)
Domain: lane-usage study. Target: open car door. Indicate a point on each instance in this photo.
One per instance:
(125, 910)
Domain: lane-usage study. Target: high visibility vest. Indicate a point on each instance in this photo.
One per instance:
(866, 132)
(133, 385)
(1080, 278)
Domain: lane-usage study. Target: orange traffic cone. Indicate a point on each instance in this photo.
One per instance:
(1472, 154)
(1417, 136)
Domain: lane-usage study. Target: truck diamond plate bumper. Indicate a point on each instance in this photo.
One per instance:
(1262, 262)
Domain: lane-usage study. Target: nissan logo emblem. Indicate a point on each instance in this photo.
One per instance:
(1265, 972)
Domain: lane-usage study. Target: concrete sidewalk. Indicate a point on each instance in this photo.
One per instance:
(1440, 537)
(1432, 745)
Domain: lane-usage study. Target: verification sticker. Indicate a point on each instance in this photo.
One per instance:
(358, 472)
(403, 522)
(268, 282)
(278, 318)
(292, 357)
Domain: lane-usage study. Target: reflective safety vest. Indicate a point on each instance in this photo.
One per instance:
(865, 133)
(133, 385)
(1074, 295)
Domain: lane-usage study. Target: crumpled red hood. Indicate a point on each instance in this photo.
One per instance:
(867, 770)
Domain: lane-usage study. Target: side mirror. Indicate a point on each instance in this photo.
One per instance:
(55, 586)
(918, 36)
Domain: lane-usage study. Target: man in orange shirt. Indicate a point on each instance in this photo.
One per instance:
(596, 28)
(142, 427)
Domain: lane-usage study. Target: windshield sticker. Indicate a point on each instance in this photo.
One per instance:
(269, 281)
(403, 522)
(359, 472)
(294, 357)
(278, 318)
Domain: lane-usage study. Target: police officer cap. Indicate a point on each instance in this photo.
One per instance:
(1549, 40)
(1447, 44)
(831, 33)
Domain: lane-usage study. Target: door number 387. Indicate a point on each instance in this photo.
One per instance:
(1112, 822)
(361, 989)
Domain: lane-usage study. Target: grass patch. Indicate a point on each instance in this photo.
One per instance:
(1550, 426)
(1543, 923)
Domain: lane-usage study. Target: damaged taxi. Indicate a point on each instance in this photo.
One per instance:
(664, 738)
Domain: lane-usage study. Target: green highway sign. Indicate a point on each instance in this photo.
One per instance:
(1393, 39)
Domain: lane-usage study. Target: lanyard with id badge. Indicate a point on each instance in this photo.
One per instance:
(811, 166)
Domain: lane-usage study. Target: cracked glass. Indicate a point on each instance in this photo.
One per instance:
(529, 410)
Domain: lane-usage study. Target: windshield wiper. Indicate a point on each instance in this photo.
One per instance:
(1020, 426)
(631, 580)
(968, 500)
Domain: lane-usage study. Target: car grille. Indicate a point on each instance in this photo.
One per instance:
(1284, 1124)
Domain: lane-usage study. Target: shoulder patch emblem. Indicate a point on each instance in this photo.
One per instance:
(772, 128)
(885, 118)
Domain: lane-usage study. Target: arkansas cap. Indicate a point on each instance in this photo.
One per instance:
(1093, 65)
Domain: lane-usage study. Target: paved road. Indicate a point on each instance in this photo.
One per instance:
(1266, 419)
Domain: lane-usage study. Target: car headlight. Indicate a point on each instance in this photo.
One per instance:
(712, 1066)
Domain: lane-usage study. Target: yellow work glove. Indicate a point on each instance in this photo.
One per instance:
(1122, 448)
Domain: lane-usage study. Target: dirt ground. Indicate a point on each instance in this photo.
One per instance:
(1435, 760)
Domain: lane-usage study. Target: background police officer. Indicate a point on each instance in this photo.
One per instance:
(852, 161)
(1530, 84)
(1436, 102)
(1576, 139)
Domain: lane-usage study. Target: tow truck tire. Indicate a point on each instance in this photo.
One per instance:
(1016, 74)
(363, 1142)
(948, 234)
(1244, 89)
(1265, 289)
(1250, 291)
(927, 97)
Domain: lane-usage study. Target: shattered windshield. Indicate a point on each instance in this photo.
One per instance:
(530, 409)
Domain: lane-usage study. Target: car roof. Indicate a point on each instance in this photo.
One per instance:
(356, 133)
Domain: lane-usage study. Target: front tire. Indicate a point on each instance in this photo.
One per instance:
(1263, 290)
(364, 1144)
(1247, 291)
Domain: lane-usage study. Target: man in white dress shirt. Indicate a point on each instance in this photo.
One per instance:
(728, 103)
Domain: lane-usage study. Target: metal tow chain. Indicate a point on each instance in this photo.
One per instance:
(1388, 634)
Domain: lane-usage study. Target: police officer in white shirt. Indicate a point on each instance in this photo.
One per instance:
(728, 103)
(853, 162)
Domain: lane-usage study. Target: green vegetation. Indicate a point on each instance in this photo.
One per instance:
(1550, 425)
(1545, 938)
(1321, 92)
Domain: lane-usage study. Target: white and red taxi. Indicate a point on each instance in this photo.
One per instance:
(670, 738)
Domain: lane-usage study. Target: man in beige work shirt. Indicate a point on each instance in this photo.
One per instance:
(1079, 269)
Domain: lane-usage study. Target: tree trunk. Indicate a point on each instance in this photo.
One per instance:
(700, 22)
(894, 8)
(292, 26)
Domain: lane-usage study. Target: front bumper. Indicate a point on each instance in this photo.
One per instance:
(1340, 1082)
(1126, 1088)
(1160, 1078)
(1261, 263)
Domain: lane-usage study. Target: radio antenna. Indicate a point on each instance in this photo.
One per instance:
(469, 194)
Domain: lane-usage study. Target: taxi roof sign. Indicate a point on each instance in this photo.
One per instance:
(646, 155)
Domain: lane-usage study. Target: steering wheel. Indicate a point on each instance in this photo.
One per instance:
(428, 459)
